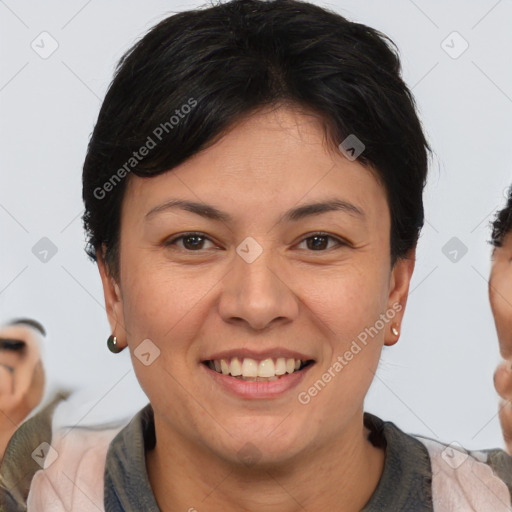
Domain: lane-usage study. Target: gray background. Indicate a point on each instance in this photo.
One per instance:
(437, 381)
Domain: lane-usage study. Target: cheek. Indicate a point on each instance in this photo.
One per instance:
(353, 306)
(354, 301)
(500, 295)
(167, 306)
(153, 296)
(502, 312)
(153, 309)
(9, 359)
(6, 381)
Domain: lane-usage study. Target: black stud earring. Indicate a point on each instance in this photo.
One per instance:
(112, 344)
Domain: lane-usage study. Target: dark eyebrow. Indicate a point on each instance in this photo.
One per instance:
(12, 344)
(292, 215)
(205, 210)
(311, 209)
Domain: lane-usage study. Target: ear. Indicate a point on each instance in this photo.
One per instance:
(113, 299)
(398, 292)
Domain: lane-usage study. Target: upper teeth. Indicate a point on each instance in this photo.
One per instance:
(248, 367)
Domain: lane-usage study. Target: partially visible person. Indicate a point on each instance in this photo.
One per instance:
(22, 397)
(500, 296)
(22, 376)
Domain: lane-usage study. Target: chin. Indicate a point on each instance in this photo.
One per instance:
(257, 457)
(262, 446)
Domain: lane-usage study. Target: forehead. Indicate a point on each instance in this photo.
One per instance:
(267, 159)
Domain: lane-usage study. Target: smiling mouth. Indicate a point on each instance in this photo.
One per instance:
(249, 369)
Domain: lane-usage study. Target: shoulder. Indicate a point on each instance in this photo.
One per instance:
(56, 462)
(22, 455)
(433, 475)
(473, 480)
(72, 473)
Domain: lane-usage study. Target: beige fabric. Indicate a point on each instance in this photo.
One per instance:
(73, 482)
(463, 481)
(78, 427)
(73, 476)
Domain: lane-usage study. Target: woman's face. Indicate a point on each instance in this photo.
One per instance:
(255, 284)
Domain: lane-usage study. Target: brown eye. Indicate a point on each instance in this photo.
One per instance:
(319, 241)
(191, 241)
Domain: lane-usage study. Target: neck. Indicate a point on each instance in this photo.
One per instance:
(341, 475)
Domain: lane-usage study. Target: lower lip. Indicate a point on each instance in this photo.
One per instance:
(261, 389)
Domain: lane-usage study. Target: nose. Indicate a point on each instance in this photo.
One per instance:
(259, 293)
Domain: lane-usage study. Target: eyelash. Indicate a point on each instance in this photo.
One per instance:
(341, 243)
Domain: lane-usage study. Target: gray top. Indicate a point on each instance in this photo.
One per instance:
(405, 484)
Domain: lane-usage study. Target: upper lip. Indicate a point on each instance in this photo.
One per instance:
(272, 353)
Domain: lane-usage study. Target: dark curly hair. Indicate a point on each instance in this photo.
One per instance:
(502, 223)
